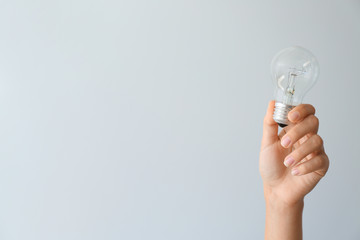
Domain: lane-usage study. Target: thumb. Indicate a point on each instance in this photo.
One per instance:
(270, 127)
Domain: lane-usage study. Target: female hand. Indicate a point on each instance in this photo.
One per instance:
(294, 161)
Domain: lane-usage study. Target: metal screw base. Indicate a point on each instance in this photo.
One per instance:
(280, 113)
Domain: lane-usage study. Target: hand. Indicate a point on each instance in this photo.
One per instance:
(294, 161)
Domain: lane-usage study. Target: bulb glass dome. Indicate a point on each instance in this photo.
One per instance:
(294, 71)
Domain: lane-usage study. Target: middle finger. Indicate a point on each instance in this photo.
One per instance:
(308, 125)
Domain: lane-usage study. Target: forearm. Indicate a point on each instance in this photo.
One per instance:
(283, 222)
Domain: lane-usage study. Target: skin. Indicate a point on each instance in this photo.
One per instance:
(287, 182)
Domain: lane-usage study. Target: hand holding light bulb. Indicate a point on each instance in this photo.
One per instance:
(293, 161)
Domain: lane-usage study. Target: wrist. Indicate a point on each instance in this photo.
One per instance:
(283, 207)
(281, 201)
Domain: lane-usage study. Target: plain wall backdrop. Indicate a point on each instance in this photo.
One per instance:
(142, 119)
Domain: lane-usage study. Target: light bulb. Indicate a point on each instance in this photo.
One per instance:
(294, 71)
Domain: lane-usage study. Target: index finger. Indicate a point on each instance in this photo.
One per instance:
(300, 112)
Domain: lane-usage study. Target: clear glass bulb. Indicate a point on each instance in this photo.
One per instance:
(294, 71)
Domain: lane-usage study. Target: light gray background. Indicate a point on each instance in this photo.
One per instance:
(142, 119)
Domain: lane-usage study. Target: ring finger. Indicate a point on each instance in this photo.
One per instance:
(313, 144)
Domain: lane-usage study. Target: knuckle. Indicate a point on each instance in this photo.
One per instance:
(312, 165)
(295, 134)
(320, 165)
(305, 110)
(326, 161)
(304, 168)
(266, 122)
(318, 161)
(299, 154)
(314, 120)
(312, 108)
(308, 108)
(317, 140)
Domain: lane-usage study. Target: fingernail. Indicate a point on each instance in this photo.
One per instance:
(294, 116)
(285, 141)
(295, 172)
(289, 161)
